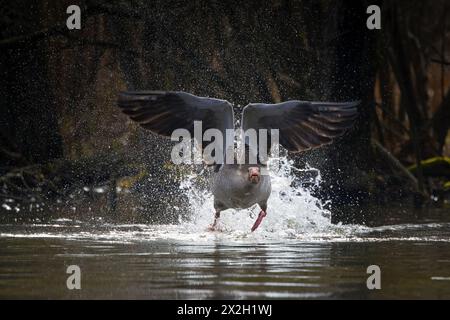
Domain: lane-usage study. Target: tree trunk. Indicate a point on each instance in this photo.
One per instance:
(27, 104)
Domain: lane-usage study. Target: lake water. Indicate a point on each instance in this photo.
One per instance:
(297, 253)
(156, 262)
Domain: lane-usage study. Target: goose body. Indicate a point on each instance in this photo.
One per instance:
(232, 189)
(301, 125)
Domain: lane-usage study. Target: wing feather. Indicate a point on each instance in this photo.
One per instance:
(302, 125)
(162, 112)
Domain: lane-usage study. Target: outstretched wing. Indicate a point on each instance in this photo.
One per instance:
(302, 125)
(162, 112)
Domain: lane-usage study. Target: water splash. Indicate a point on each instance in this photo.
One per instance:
(294, 214)
(293, 211)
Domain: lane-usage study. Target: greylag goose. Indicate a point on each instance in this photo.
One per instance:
(301, 126)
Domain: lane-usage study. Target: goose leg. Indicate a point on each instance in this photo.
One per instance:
(260, 218)
(216, 219)
(258, 221)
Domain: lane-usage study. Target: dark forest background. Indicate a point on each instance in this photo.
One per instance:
(64, 146)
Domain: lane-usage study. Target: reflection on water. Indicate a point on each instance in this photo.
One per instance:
(156, 262)
(296, 253)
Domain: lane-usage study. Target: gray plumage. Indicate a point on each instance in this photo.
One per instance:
(232, 189)
(302, 126)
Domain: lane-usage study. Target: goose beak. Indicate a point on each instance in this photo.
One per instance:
(254, 175)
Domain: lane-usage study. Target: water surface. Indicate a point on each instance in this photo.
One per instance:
(297, 253)
(156, 262)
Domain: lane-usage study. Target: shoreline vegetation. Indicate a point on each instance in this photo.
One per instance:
(64, 146)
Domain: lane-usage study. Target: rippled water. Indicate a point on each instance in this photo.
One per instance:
(139, 261)
(296, 253)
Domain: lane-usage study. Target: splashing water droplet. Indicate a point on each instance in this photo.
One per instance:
(293, 211)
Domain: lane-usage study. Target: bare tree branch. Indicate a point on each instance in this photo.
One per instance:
(443, 62)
